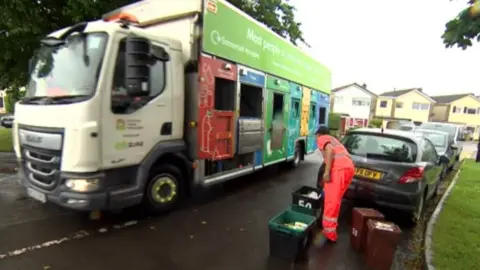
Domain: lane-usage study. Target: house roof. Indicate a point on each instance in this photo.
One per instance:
(450, 98)
(354, 84)
(401, 92)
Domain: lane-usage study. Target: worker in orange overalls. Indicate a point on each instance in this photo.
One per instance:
(338, 174)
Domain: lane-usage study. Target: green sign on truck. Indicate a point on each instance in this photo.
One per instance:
(234, 36)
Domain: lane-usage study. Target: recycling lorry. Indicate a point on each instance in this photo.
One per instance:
(159, 99)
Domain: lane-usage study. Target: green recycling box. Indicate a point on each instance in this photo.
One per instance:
(286, 241)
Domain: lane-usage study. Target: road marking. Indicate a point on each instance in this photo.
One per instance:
(76, 236)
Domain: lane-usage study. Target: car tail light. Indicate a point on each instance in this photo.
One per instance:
(412, 175)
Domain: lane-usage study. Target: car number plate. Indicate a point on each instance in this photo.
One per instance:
(369, 174)
(37, 195)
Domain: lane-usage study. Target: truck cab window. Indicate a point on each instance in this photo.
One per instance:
(121, 102)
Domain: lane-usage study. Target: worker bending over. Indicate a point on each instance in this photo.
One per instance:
(338, 174)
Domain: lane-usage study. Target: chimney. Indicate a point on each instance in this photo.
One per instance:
(364, 85)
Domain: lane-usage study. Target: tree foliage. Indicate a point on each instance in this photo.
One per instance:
(464, 28)
(25, 22)
(278, 15)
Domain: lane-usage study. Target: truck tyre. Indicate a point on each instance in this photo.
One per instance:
(164, 189)
(297, 157)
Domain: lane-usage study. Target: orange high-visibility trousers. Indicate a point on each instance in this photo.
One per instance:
(333, 194)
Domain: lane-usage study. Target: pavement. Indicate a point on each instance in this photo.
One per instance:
(225, 228)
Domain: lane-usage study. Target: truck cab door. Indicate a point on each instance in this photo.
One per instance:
(131, 126)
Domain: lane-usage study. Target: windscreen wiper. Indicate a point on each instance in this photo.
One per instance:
(35, 100)
(67, 99)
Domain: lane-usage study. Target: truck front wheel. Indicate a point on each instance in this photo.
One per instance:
(164, 190)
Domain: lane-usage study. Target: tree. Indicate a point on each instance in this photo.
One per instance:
(464, 28)
(25, 22)
(277, 15)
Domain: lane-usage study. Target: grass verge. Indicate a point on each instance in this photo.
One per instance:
(414, 248)
(456, 241)
(6, 144)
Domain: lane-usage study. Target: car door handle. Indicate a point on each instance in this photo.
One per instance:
(161, 104)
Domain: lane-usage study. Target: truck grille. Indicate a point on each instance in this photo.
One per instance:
(41, 166)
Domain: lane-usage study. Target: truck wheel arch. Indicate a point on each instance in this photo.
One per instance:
(171, 152)
(303, 147)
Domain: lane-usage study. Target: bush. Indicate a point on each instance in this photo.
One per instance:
(12, 96)
(334, 121)
(376, 123)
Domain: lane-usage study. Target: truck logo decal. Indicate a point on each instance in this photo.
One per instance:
(120, 124)
(216, 37)
(124, 145)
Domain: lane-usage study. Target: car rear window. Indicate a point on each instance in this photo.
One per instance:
(382, 147)
(438, 140)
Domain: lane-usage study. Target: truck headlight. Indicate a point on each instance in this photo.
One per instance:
(83, 185)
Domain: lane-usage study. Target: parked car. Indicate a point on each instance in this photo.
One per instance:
(393, 168)
(407, 127)
(7, 121)
(440, 142)
(453, 136)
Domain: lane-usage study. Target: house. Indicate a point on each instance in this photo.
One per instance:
(411, 104)
(353, 100)
(460, 108)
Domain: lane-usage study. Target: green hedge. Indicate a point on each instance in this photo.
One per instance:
(334, 121)
(376, 123)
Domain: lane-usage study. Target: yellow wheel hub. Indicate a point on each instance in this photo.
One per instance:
(164, 190)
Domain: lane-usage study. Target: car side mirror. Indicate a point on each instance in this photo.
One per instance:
(137, 68)
(442, 159)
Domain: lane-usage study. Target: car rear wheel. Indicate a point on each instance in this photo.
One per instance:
(443, 175)
(418, 213)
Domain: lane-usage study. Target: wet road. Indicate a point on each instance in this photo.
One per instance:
(225, 229)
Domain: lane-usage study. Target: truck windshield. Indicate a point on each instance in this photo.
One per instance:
(67, 70)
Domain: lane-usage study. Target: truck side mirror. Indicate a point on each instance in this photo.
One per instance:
(137, 69)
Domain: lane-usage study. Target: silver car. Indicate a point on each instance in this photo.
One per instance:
(440, 141)
(393, 168)
(453, 131)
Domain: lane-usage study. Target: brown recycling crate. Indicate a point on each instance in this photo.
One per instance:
(382, 241)
(360, 216)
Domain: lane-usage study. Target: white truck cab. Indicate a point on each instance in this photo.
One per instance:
(93, 121)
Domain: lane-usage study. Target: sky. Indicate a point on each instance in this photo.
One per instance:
(389, 44)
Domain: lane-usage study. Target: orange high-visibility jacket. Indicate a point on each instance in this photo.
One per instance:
(341, 157)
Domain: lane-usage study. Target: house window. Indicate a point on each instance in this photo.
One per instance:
(478, 110)
(360, 102)
(457, 109)
(398, 105)
(471, 110)
(425, 106)
(383, 104)
(420, 106)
